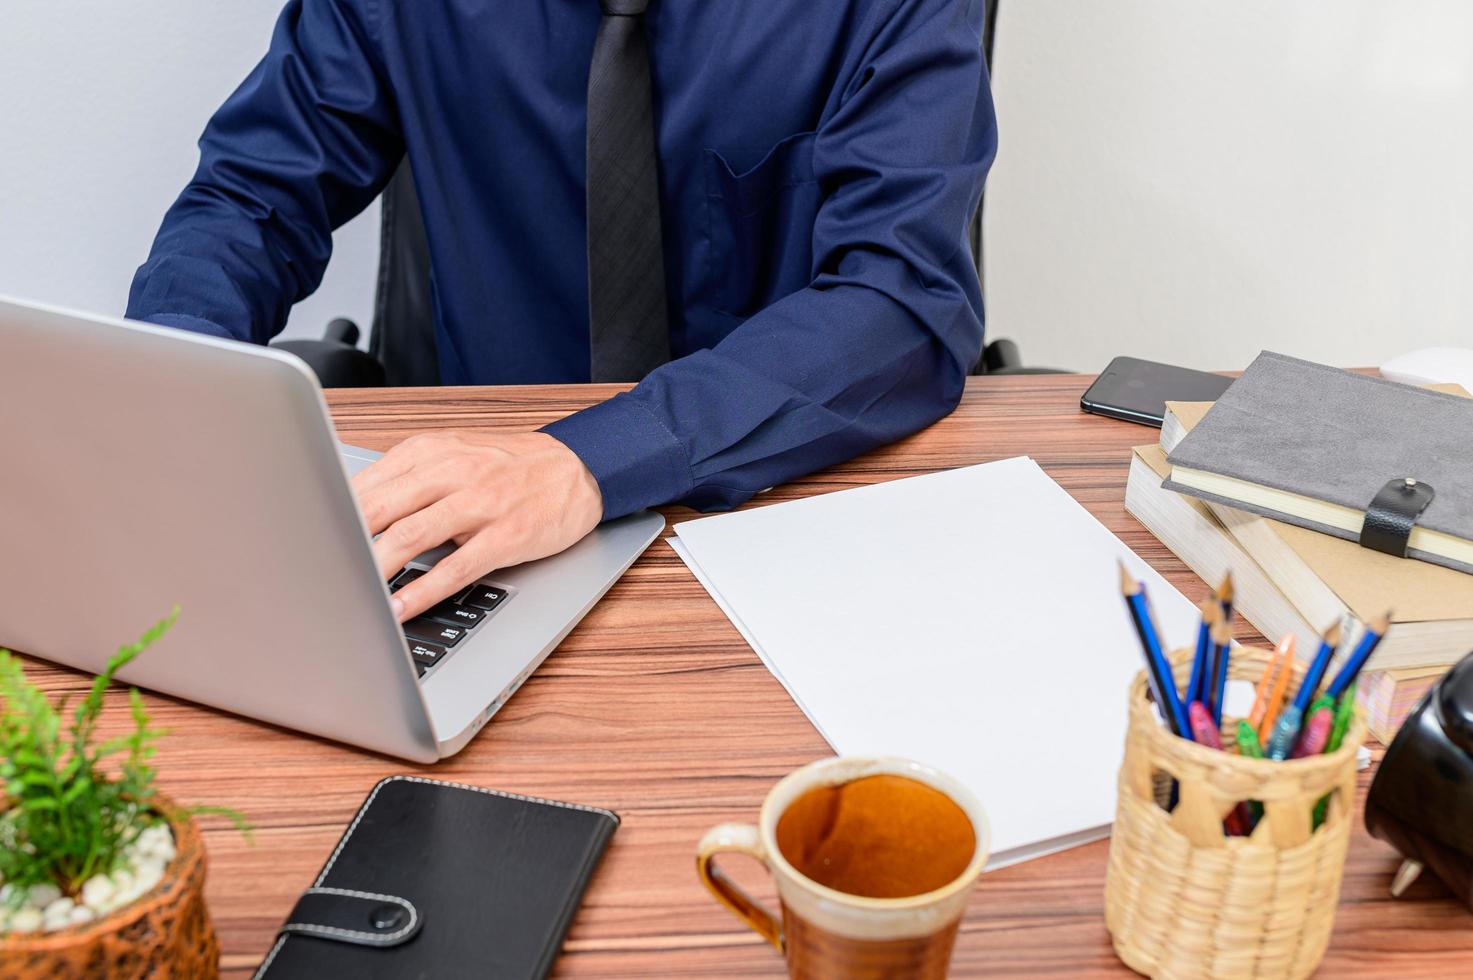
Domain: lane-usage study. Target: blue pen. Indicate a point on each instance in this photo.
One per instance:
(1359, 656)
(1158, 670)
(1285, 734)
(1317, 668)
(1197, 684)
(1222, 645)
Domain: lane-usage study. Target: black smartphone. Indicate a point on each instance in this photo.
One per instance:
(1137, 390)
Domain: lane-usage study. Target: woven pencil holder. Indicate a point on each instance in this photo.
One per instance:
(1183, 899)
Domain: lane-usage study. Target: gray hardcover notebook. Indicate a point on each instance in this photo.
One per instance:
(1312, 445)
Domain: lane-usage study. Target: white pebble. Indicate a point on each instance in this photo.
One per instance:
(155, 842)
(125, 896)
(62, 907)
(26, 920)
(145, 863)
(97, 892)
(150, 872)
(155, 839)
(43, 895)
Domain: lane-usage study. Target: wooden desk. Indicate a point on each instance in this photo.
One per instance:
(655, 707)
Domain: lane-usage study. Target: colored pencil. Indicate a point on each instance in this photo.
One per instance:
(1222, 646)
(1317, 667)
(1208, 734)
(1358, 657)
(1316, 733)
(1286, 732)
(1225, 597)
(1283, 659)
(1276, 695)
(1158, 669)
(1344, 711)
(1248, 746)
(1197, 683)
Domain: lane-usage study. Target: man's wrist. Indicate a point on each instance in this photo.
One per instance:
(585, 500)
(634, 458)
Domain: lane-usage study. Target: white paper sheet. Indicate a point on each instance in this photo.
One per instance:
(970, 619)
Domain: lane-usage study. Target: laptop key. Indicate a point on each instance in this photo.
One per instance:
(453, 612)
(405, 577)
(484, 596)
(426, 654)
(444, 634)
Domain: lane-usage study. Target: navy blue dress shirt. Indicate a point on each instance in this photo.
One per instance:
(819, 165)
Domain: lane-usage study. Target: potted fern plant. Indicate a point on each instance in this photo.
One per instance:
(100, 875)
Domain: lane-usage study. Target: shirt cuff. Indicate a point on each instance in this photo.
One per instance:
(632, 454)
(194, 324)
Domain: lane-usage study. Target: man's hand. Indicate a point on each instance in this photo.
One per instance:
(502, 498)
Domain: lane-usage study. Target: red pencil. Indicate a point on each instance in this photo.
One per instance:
(1204, 732)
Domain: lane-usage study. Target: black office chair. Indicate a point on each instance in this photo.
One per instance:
(1002, 355)
(401, 348)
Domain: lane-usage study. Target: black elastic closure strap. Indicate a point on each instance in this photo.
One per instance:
(1392, 515)
(360, 918)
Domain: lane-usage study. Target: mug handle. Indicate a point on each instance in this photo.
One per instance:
(740, 838)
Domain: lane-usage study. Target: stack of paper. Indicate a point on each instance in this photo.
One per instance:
(1389, 696)
(971, 620)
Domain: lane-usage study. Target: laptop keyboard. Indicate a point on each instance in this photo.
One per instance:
(436, 633)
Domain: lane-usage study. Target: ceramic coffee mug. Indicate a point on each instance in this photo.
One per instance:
(874, 860)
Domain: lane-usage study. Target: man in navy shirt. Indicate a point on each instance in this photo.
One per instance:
(812, 293)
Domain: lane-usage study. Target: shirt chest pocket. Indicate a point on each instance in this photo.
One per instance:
(760, 227)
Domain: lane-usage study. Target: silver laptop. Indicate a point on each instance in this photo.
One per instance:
(143, 467)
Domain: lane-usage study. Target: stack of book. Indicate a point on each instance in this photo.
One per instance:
(1299, 579)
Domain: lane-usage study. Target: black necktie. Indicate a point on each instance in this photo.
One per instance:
(628, 331)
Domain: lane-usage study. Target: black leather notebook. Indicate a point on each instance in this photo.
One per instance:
(436, 879)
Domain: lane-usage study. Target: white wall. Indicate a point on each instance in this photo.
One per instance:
(1189, 180)
(1193, 180)
(100, 106)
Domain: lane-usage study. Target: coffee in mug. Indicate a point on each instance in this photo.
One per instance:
(874, 860)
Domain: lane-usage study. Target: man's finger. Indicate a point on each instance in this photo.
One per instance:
(420, 531)
(379, 472)
(397, 461)
(450, 575)
(401, 496)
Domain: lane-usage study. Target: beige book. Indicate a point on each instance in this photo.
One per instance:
(1189, 529)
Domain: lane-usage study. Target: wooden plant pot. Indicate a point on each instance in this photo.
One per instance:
(1184, 901)
(164, 935)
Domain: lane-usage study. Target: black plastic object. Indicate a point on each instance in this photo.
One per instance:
(1137, 391)
(1421, 801)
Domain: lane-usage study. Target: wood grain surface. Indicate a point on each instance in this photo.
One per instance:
(656, 708)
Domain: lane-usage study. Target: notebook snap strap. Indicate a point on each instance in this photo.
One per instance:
(361, 918)
(1392, 515)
